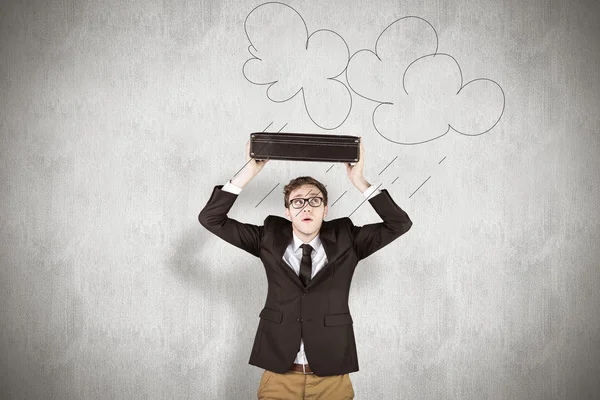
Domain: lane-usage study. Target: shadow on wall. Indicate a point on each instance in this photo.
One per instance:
(218, 284)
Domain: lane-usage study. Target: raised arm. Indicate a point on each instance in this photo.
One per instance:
(214, 214)
(369, 238)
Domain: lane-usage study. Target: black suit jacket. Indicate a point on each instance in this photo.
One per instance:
(319, 312)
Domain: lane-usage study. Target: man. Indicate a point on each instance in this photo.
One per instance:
(305, 339)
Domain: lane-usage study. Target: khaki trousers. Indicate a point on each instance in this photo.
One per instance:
(295, 385)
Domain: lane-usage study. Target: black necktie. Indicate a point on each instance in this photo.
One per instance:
(306, 264)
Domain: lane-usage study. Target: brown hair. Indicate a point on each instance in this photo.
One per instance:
(303, 180)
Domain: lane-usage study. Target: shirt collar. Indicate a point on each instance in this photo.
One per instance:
(315, 243)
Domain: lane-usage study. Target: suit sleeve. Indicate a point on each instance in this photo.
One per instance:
(367, 239)
(214, 218)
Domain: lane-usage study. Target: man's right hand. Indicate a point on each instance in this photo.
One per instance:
(250, 170)
(253, 164)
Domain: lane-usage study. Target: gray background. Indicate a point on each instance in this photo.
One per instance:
(117, 120)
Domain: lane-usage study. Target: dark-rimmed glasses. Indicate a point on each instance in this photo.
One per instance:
(313, 201)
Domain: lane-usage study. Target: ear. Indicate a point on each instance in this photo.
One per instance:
(287, 214)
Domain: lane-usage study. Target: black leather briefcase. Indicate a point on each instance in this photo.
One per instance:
(304, 147)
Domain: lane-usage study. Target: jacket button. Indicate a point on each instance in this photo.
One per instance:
(299, 320)
(305, 292)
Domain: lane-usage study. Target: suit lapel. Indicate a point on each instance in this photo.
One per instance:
(328, 239)
(284, 237)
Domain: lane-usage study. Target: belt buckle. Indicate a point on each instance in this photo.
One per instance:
(304, 369)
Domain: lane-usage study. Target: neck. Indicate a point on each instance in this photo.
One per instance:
(304, 237)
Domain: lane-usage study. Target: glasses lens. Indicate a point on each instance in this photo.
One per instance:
(315, 201)
(298, 203)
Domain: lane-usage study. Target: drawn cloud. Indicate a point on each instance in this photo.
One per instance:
(290, 61)
(421, 92)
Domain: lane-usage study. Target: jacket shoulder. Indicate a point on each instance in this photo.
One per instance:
(275, 220)
(340, 221)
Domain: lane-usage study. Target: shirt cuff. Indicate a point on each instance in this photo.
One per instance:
(230, 187)
(372, 190)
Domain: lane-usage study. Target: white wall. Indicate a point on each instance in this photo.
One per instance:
(118, 119)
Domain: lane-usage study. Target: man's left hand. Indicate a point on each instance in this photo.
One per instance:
(355, 172)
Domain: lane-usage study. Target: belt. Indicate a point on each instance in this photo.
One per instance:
(301, 368)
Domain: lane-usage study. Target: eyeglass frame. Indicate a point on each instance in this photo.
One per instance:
(304, 201)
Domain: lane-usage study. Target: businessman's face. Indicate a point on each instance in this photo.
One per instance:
(308, 218)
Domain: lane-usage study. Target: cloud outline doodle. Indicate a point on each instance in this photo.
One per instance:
(308, 37)
(459, 90)
(379, 58)
(389, 103)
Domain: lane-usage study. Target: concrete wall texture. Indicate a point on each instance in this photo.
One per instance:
(117, 119)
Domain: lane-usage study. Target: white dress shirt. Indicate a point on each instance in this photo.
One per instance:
(293, 254)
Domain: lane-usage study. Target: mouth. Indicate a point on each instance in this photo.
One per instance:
(306, 219)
